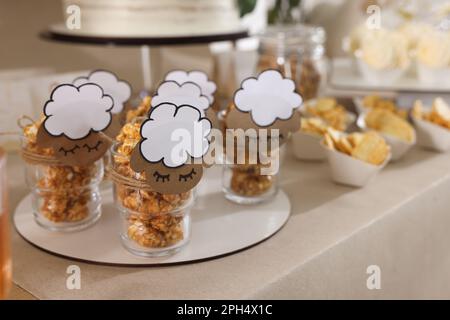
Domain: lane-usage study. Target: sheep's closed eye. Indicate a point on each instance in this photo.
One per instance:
(89, 148)
(66, 152)
(160, 177)
(186, 177)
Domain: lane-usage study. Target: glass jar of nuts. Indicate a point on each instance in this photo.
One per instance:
(298, 52)
(153, 224)
(64, 198)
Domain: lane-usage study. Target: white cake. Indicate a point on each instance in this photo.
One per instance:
(156, 17)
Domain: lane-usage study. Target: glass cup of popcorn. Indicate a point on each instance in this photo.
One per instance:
(153, 224)
(64, 198)
(251, 182)
(261, 119)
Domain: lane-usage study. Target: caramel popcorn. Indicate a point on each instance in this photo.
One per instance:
(157, 233)
(376, 102)
(247, 180)
(64, 191)
(30, 133)
(151, 222)
(141, 111)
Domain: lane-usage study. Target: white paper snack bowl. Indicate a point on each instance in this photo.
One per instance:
(307, 147)
(350, 171)
(432, 136)
(380, 77)
(433, 76)
(398, 147)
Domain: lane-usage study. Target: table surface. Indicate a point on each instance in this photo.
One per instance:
(333, 234)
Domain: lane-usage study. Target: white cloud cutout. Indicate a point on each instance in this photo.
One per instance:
(185, 94)
(119, 90)
(74, 111)
(173, 134)
(199, 78)
(268, 97)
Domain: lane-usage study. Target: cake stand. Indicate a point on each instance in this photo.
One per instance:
(60, 33)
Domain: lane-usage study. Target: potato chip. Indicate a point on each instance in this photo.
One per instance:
(441, 110)
(369, 147)
(334, 134)
(372, 149)
(331, 112)
(329, 142)
(417, 111)
(389, 123)
(325, 104)
(315, 126)
(439, 114)
(355, 138)
(344, 145)
(376, 102)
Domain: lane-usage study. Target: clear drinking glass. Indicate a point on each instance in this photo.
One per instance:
(153, 224)
(244, 184)
(64, 198)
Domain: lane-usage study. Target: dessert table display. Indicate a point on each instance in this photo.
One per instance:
(168, 204)
(354, 159)
(333, 235)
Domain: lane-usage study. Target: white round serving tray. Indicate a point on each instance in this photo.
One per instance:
(219, 228)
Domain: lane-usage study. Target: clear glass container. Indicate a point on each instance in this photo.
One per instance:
(244, 184)
(65, 198)
(153, 224)
(5, 253)
(297, 51)
(246, 178)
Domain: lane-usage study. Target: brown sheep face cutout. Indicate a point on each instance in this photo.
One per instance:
(167, 180)
(269, 102)
(118, 89)
(81, 152)
(237, 119)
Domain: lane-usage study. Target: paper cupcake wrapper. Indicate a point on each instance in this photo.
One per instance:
(433, 76)
(380, 77)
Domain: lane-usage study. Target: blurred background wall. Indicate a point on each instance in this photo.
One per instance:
(20, 47)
